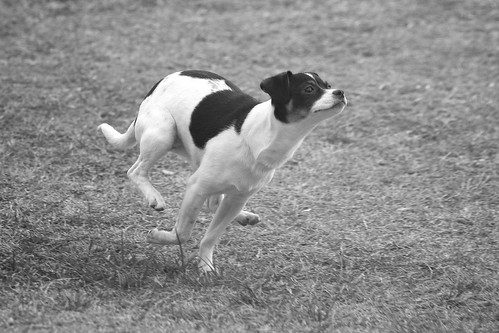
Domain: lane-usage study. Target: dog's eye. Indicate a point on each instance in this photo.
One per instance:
(309, 89)
(328, 86)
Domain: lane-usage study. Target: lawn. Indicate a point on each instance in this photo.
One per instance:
(385, 220)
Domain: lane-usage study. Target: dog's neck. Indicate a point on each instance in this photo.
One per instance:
(271, 141)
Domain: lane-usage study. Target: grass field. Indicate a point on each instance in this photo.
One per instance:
(385, 220)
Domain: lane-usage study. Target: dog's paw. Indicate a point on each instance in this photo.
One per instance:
(207, 269)
(156, 237)
(157, 203)
(246, 218)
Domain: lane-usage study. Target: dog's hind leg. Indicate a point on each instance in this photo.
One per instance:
(155, 141)
(247, 218)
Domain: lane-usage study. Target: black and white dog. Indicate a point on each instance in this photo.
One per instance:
(233, 142)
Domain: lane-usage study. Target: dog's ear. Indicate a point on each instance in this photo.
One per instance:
(278, 87)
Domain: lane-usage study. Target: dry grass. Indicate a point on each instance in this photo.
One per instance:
(384, 221)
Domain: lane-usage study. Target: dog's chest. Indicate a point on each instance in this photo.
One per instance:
(250, 180)
(253, 177)
(229, 162)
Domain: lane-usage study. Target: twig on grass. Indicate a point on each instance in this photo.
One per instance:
(122, 246)
(182, 267)
(342, 258)
(90, 245)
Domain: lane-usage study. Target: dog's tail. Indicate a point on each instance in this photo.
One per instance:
(116, 139)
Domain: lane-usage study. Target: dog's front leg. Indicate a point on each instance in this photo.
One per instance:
(228, 209)
(192, 203)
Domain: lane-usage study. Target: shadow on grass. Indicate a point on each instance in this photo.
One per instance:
(118, 264)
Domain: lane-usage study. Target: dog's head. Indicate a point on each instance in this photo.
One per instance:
(299, 96)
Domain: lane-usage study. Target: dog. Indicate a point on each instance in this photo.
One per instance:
(233, 142)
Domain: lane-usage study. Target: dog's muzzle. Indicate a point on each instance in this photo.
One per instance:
(340, 96)
(338, 93)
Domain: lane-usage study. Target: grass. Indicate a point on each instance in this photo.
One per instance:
(385, 220)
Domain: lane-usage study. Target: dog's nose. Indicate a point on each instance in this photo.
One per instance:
(338, 93)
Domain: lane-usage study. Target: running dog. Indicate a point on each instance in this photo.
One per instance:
(233, 142)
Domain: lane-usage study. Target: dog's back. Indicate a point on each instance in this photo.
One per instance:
(202, 105)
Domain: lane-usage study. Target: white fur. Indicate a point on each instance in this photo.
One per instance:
(325, 102)
(230, 168)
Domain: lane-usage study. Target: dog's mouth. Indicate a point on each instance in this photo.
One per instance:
(342, 103)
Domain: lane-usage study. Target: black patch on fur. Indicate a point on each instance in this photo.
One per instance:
(217, 112)
(280, 112)
(152, 89)
(278, 87)
(208, 76)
